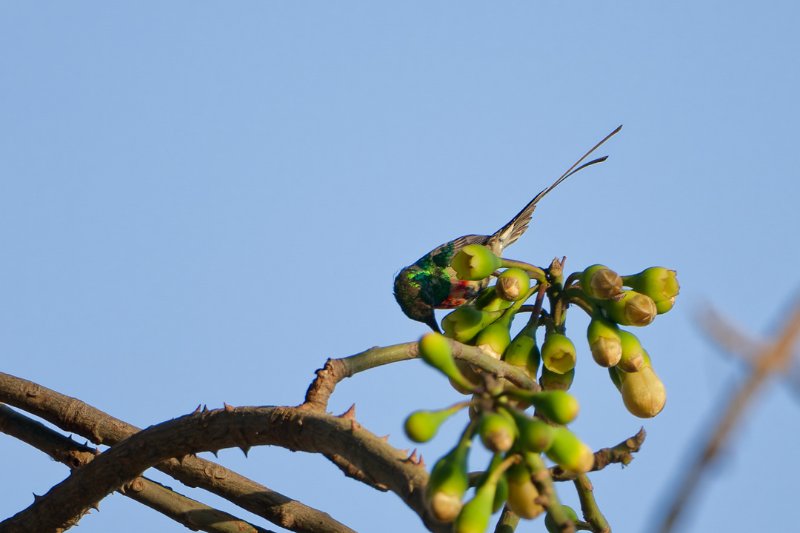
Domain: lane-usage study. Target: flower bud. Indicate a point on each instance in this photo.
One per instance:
(643, 392)
(489, 301)
(631, 309)
(558, 406)
(421, 426)
(448, 483)
(465, 322)
(604, 341)
(534, 435)
(475, 515)
(435, 350)
(634, 356)
(614, 375)
(569, 452)
(497, 431)
(600, 282)
(513, 284)
(658, 283)
(495, 338)
(552, 526)
(550, 380)
(523, 352)
(500, 494)
(522, 492)
(474, 262)
(558, 353)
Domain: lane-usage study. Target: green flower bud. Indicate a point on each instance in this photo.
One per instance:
(488, 300)
(600, 282)
(497, 431)
(475, 515)
(522, 492)
(659, 283)
(631, 309)
(550, 523)
(558, 353)
(663, 306)
(614, 375)
(466, 322)
(475, 262)
(550, 380)
(569, 452)
(604, 341)
(448, 483)
(501, 491)
(421, 426)
(534, 435)
(633, 355)
(495, 338)
(513, 284)
(523, 352)
(558, 406)
(435, 350)
(643, 392)
(500, 494)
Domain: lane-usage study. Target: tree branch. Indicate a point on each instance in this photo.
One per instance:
(289, 427)
(184, 510)
(73, 415)
(335, 370)
(774, 358)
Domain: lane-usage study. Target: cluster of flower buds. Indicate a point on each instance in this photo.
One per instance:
(652, 292)
(498, 418)
(515, 438)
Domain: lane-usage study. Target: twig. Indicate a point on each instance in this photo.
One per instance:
(622, 453)
(773, 358)
(547, 492)
(335, 370)
(508, 521)
(73, 415)
(589, 507)
(184, 510)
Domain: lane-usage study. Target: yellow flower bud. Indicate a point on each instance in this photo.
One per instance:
(475, 262)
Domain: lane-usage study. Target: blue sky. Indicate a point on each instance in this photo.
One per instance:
(201, 202)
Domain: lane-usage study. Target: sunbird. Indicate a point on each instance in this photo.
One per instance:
(430, 283)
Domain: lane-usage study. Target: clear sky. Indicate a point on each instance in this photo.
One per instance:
(200, 202)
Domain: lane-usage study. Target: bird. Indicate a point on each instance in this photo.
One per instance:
(430, 283)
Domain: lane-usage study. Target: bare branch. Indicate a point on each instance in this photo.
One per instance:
(772, 359)
(292, 428)
(184, 510)
(73, 415)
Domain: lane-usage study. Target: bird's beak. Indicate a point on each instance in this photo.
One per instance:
(431, 321)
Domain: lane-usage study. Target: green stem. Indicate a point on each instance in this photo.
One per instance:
(536, 273)
(508, 522)
(578, 297)
(544, 484)
(591, 512)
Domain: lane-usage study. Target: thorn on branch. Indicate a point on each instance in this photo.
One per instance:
(350, 414)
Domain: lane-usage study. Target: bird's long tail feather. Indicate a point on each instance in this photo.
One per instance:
(517, 225)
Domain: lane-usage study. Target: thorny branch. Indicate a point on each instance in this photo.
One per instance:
(73, 415)
(289, 427)
(178, 507)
